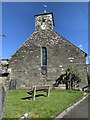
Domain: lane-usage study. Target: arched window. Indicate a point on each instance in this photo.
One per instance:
(44, 56)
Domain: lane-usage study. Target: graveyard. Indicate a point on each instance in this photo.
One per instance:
(45, 75)
(42, 102)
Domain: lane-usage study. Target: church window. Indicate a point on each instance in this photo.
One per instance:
(44, 56)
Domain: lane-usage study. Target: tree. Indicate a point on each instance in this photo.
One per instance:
(71, 78)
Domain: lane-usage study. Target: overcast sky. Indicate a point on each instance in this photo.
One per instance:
(71, 21)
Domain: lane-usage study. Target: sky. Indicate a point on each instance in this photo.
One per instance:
(70, 18)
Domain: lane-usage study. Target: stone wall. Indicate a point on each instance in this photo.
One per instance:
(26, 62)
(4, 73)
(88, 68)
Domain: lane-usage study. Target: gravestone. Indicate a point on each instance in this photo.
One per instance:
(2, 100)
(12, 84)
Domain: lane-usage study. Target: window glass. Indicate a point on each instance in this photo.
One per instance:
(44, 56)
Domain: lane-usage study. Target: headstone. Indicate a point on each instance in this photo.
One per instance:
(12, 84)
(2, 100)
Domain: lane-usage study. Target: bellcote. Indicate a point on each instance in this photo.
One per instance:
(44, 21)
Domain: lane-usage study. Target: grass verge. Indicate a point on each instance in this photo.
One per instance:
(42, 107)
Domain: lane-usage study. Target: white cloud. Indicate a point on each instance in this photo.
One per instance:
(81, 47)
(89, 57)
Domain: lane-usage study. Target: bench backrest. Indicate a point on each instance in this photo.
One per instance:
(40, 87)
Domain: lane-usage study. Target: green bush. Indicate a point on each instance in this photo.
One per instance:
(72, 77)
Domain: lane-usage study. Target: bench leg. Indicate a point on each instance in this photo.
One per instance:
(48, 92)
(33, 94)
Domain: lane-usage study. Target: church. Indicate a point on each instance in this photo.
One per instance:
(45, 55)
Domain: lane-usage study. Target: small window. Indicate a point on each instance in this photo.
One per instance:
(44, 56)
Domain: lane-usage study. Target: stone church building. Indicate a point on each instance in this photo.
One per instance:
(45, 55)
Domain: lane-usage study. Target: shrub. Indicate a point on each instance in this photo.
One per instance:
(71, 78)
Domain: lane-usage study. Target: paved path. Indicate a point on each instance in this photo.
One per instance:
(80, 111)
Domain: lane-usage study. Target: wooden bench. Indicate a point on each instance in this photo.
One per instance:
(34, 89)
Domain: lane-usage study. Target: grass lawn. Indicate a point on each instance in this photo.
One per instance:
(42, 107)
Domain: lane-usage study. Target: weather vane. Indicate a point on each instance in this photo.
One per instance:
(45, 7)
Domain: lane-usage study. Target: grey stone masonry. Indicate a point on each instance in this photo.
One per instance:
(26, 62)
(88, 68)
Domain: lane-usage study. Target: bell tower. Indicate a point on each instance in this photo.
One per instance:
(44, 21)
